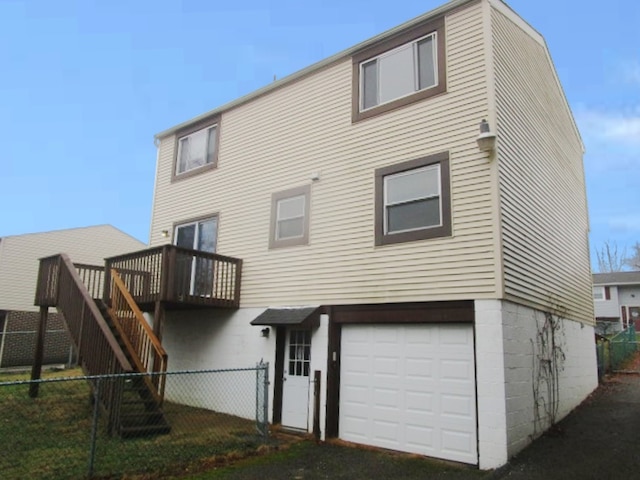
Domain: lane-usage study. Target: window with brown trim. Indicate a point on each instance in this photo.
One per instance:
(413, 200)
(290, 217)
(196, 149)
(408, 67)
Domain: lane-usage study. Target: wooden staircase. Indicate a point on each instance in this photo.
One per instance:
(140, 408)
(111, 337)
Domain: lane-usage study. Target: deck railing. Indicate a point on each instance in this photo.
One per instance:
(59, 285)
(92, 277)
(144, 347)
(179, 276)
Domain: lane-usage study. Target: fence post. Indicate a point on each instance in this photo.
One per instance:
(94, 426)
(265, 394)
(3, 334)
(262, 398)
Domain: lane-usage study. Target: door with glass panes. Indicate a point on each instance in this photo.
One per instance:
(195, 275)
(295, 386)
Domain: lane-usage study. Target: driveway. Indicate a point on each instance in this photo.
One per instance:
(599, 440)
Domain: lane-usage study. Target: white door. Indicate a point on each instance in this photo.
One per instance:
(195, 274)
(409, 388)
(295, 387)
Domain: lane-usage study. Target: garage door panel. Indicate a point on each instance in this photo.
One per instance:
(458, 406)
(455, 370)
(409, 388)
(456, 441)
(419, 402)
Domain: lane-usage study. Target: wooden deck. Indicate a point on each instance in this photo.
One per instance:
(178, 277)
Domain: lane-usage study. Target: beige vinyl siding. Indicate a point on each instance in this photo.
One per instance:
(277, 141)
(19, 256)
(542, 190)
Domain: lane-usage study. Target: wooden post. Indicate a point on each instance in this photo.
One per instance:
(106, 294)
(238, 281)
(316, 404)
(158, 317)
(36, 369)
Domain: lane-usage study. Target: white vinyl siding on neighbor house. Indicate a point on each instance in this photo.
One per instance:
(19, 256)
(545, 248)
(399, 72)
(276, 141)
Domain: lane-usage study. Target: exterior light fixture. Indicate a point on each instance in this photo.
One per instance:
(165, 233)
(265, 332)
(486, 140)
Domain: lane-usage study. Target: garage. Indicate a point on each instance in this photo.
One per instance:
(409, 388)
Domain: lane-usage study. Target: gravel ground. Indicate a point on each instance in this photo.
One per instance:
(599, 440)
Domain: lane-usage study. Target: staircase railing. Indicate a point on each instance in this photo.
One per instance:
(144, 347)
(59, 285)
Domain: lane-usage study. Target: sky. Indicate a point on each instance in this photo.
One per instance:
(85, 85)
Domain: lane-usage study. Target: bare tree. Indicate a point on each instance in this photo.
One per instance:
(633, 261)
(611, 258)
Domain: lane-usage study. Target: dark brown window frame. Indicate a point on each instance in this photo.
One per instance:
(443, 230)
(275, 198)
(209, 122)
(436, 25)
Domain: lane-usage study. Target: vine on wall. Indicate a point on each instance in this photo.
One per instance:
(548, 362)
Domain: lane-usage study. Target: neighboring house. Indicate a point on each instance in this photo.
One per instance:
(370, 236)
(19, 256)
(616, 297)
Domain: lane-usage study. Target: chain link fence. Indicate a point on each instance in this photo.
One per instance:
(612, 352)
(64, 433)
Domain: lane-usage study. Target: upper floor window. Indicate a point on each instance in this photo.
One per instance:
(601, 293)
(413, 200)
(399, 71)
(197, 149)
(290, 217)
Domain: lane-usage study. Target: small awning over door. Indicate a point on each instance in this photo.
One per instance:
(304, 317)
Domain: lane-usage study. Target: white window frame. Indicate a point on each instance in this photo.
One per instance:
(386, 203)
(601, 290)
(280, 219)
(206, 148)
(275, 240)
(416, 71)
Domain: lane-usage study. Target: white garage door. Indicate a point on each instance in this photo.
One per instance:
(410, 388)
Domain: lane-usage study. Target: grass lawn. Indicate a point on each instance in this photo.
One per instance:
(49, 437)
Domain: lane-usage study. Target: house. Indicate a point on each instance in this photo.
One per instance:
(19, 256)
(616, 297)
(396, 229)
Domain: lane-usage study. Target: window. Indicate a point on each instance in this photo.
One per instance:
(601, 293)
(198, 235)
(194, 275)
(396, 72)
(399, 72)
(290, 218)
(413, 200)
(196, 149)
